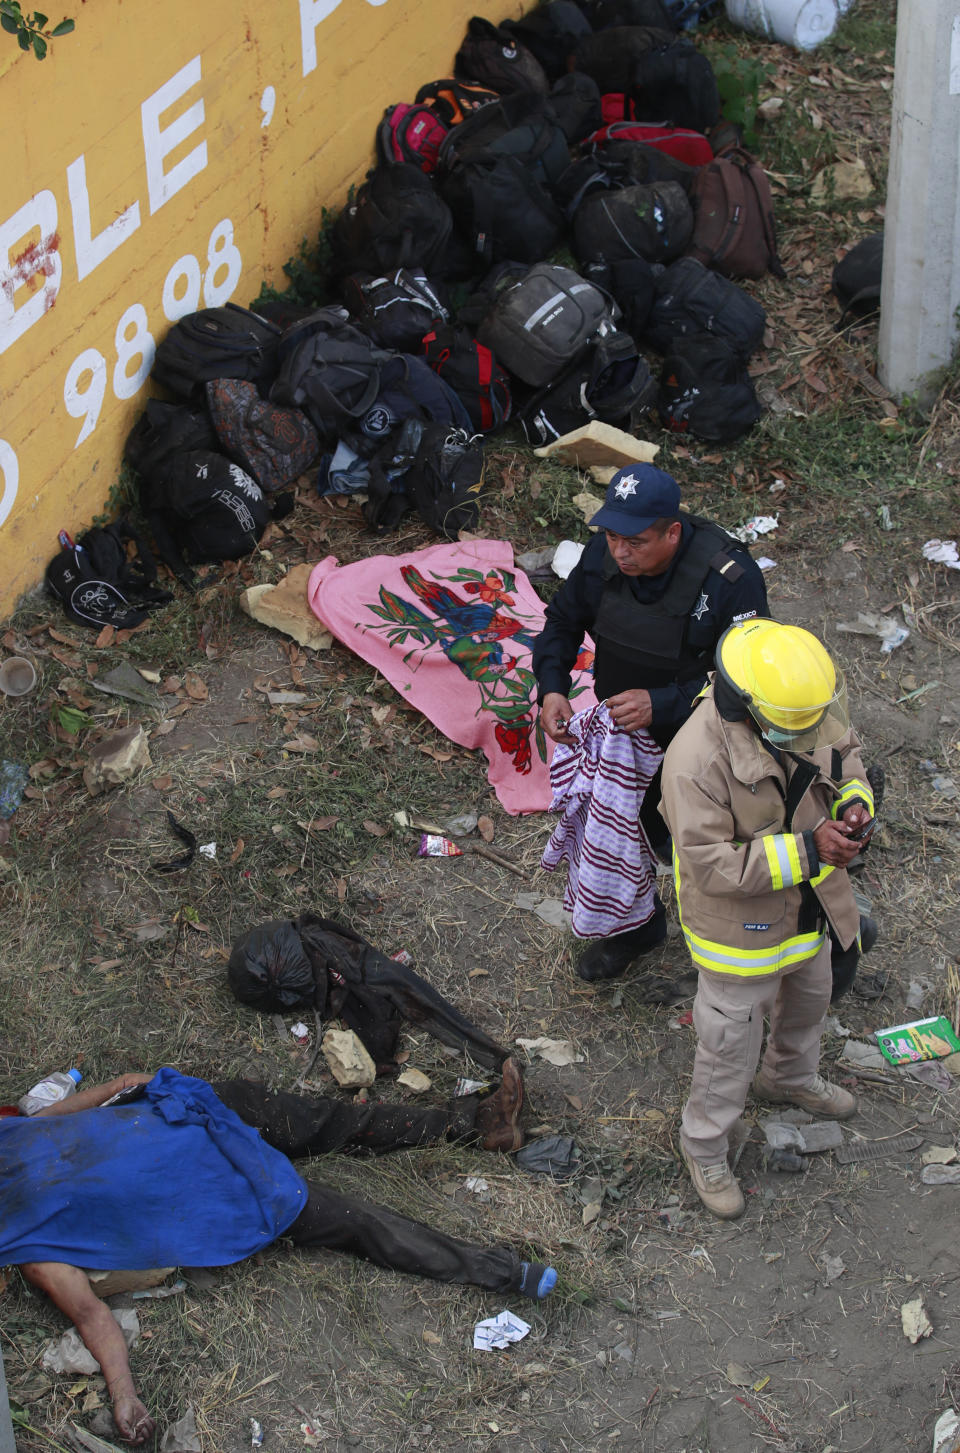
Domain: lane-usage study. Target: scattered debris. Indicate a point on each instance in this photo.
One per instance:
(285, 608)
(182, 1436)
(764, 563)
(862, 1056)
(554, 1051)
(842, 181)
(116, 759)
(755, 527)
(552, 1155)
(477, 1185)
(69, 1354)
(499, 1331)
(549, 910)
(158, 1293)
(587, 504)
(785, 1161)
(599, 443)
(833, 1268)
(18, 676)
(939, 1155)
(946, 1432)
(921, 1039)
(300, 1032)
(126, 681)
(256, 1433)
(887, 629)
(347, 1059)
(535, 562)
(942, 552)
(914, 1320)
(414, 1080)
(466, 1086)
(182, 860)
(207, 850)
(930, 1073)
(854, 1152)
(565, 557)
(14, 777)
(432, 845)
(462, 825)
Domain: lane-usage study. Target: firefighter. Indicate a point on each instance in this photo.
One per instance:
(767, 800)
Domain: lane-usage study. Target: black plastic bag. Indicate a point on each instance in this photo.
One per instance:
(269, 969)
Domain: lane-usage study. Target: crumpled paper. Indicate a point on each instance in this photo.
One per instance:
(182, 1436)
(755, 527)
(499, 1331)
(70, 1355)
(942, 552)
(554, 1051)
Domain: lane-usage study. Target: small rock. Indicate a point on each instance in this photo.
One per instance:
(824, 1135)
(348, 1060)
(415, 1080)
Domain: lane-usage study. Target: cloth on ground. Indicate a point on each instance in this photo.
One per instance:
(598, 785)
(174, 1178)
(452, 629)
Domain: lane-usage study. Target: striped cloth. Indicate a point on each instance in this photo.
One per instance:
(598, 785)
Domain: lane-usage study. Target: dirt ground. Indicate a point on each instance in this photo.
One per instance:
(670, 1332)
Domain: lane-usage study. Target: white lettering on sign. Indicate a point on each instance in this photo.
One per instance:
(312, 12)
(159, 143)
(25, 266)
(955, 57)
(10, 473)
(91, 251)
(178, 305)
(85, 386)
(85, 403)
(268, 103)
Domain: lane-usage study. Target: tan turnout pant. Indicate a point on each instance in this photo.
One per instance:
(728, 1015)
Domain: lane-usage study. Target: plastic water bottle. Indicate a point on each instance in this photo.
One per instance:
(55, 1087)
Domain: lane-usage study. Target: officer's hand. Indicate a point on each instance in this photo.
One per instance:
(856, 817)
(631, 709)
(833, 844)
(555, 712)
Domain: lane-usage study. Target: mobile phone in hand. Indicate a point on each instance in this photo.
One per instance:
(124, 1097)
(861, 832)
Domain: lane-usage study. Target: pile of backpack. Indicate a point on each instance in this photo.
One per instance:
(593, 127)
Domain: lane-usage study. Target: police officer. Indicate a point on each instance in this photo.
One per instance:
(656, 590)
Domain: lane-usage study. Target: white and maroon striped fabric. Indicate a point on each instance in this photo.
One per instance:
(598, 785)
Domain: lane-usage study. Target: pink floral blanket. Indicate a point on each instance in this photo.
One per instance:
(452, 629)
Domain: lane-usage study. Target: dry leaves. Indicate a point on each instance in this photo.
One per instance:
(375, 829)
(196, 689)
(437, 756)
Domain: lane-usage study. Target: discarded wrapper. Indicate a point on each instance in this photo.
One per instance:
(499, 1331)
(923, 1039)
(470, 1087)
(432, 846)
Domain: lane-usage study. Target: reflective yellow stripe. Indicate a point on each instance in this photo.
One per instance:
(721, 958)
(855, 788)
(821, 875)
(783, 859)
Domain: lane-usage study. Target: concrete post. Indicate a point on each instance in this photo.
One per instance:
(921, 243)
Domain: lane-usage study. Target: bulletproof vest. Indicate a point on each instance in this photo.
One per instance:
(644, 643)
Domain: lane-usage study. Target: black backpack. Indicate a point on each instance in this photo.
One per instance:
(575, 99)
(203, 507)
(690, 298)
(610, 56)
(408, 389)
(857, 277)
(634, 163)
(330, 370)
(653, 221)
(227, 342)
(472, 372)
(705, 390)
(675, 83)
(550, 33)
(523, 126)
(492, 57)
(164, 429)
(444, 482)
(97, 582)
(632, 283)
(581, 178)
(610, 382)
(395, 310)
(396, 220)
(501, 210)
(541, 324)
(604, 14)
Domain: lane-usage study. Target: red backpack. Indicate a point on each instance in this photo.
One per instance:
(472, 372)
(410, 133)
(686, 146)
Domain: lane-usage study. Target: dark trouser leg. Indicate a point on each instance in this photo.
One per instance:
(344, 1223)
(314, 1125)
(658, 834)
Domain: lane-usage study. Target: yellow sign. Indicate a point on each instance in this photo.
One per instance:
(164, 159)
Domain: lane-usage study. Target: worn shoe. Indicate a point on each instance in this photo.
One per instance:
(498, 1114)
(607, 958)
(716, 1185)
(536, 1280)
(819, 1097)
